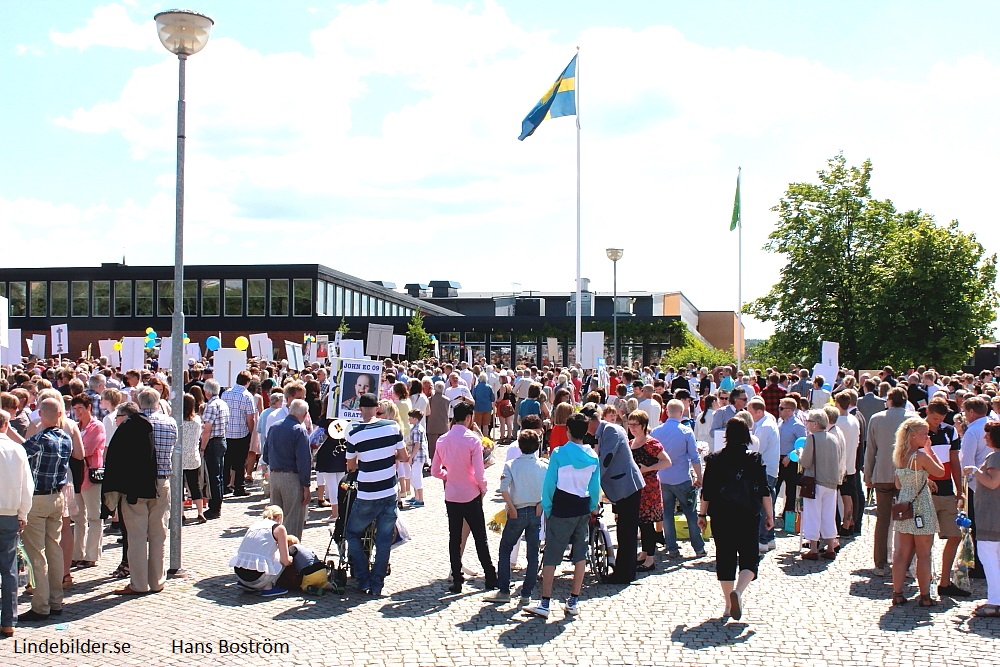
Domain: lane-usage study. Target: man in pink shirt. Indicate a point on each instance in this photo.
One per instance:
(458, 460)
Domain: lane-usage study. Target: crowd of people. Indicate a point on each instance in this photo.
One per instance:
(83, 444)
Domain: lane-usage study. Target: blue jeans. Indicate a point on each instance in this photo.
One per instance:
(362, 514)
(680, 494)
(768, 535)
(8, 570)
(529, 523)
(215, 456)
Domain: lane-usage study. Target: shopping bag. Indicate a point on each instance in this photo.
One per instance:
(401, 535)
(791, 522)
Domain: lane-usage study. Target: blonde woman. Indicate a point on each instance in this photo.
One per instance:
(387, 410)
(915, 461)
(263, 554)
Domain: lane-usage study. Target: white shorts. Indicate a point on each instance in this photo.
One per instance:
(416, 477)
(331, 480)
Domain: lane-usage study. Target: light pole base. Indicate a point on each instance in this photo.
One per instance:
(179, 573)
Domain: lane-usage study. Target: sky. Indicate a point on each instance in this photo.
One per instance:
(380, 138)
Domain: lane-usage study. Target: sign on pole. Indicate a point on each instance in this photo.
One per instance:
(358, 376)
(379, 340)
(60, 339)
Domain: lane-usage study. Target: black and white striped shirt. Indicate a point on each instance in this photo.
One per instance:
(374, 445)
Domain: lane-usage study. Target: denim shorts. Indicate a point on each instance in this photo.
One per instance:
(562, 532)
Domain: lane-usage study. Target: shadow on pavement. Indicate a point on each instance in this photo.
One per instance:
(710, 633)
(532, 631)
(421, 600)
(874, 588)
(904, 618)
(791, 564)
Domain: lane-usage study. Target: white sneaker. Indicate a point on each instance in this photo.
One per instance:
(571, 607)
(762, 548)
(537, 610)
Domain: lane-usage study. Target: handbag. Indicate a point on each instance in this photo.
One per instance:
(808, 482)
(904, 511)
(96, 475)
(505, 409)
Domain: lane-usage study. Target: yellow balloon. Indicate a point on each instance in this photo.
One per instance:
(148, 329)
(117, 346)
(187, 340)
(242, 343)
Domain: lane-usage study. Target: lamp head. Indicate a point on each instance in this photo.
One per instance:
(182, 31)
(614, 254)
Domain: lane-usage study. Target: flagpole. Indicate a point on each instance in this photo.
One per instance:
(739, 292)
(579, 291)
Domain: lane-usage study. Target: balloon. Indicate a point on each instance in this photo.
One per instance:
(185, 335)
(793, 456)
(186, 340)
(117, 346)
(148, 329)
(151, 334)
(799, 443)
(242, 343)
(213, 343)
(150, 344)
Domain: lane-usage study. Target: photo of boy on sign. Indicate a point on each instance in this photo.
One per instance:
(362, 383)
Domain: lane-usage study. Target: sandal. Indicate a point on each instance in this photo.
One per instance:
(898, 598)
(121, 572)
(67, 581)
(927, 601)
(987, 611)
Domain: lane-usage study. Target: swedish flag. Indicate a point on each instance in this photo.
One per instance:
(559, 100)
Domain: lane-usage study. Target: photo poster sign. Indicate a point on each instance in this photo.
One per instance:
(322, 346)
(603, 379)
(293, 353)
(333, 395)
(60, 339)
(11, 354)
(227, 362)
(552, 344)
(133, 353)
(261, 346)
(358, 376)
(399, 345)
(379, 340)
(592, 343)
(37, 345)
(107, 349)
(351, 349)
(4, 322)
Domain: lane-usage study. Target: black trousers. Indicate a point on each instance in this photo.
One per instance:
(789, 476)
(650, 537)
(237, 450)
(735, 545)
(628, 536)
(471, 513)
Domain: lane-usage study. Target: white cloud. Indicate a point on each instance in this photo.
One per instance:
(397, 130)
(109, 26)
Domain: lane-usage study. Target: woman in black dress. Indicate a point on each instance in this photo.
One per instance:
(734, 492)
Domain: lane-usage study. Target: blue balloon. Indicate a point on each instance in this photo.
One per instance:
(213, 343)
(152, 335)
(150, 344)
(793, 456)
(828, 386)
(799, 443)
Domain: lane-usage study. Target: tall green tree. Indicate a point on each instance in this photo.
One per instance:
(860, 273)
(418, 341)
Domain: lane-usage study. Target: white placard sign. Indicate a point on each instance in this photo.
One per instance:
(399, 345)
(261, 346)
(227, 362)
(133, 353)
(360, 376)
(107, 349)
(4, 322)
(60, 339)
(719, 440)
(293, 352)
(166, 357)
(379, 340)
(11, 354)
(37, 346)
(553, 346)
(830, 355)
(592, 343)
(192, 351)
(351, 349)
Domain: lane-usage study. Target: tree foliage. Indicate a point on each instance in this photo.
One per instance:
(890, 287)
(418, 341)
(694, 350)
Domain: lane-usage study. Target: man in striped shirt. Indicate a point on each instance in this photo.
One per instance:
(373, 448)
(242, 421)
(213, 445)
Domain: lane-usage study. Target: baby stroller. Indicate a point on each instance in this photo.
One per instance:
(339, 569)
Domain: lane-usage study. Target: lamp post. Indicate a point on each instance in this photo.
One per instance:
(183, 33)
(614, 254)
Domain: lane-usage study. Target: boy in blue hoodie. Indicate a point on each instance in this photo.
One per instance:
(570, 494)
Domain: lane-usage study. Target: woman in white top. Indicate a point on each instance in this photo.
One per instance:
(110, 399)
(191, 452)
(263, 554)
(703, 424)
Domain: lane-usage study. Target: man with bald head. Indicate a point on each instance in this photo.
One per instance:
(48, 454)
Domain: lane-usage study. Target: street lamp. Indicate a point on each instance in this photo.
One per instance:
(614, 254)
(183, 33)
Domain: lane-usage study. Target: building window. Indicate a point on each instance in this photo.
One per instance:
(123, 298)
(338, 305)
(210, 298)
(279, 297)
(3, 289)
(330, 298)
(321, 297)
(234, 297)
(144, 298)
(39, 298)
(190, 297)
(366, 305)
(102, 298)
(59, 299)
(256, 297)
(18, 301)
(164, 298)
(356, 298)
(302, 301)
(81, 298)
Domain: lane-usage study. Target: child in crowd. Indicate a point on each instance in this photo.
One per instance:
(416, 449)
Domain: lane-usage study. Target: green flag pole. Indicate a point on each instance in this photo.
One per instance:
(737, 221)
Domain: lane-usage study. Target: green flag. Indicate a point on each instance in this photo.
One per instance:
(737, 219)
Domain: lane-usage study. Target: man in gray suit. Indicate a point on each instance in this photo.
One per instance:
(870, 404)
(880, 471)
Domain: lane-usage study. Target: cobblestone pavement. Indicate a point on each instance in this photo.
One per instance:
(797, 613)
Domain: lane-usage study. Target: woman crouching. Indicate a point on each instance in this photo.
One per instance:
(263, 554)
